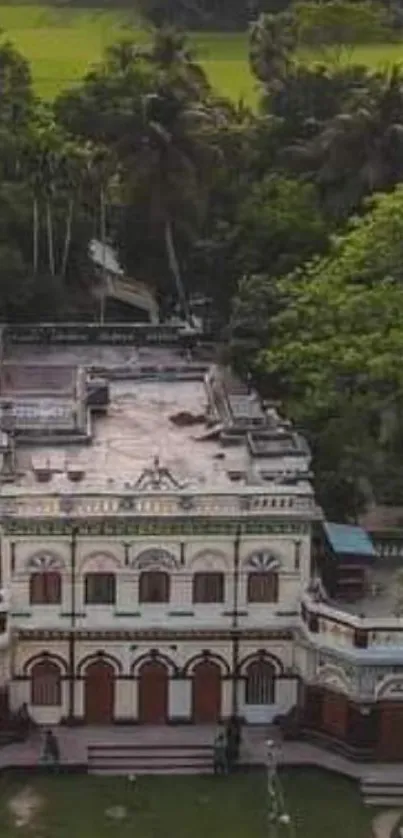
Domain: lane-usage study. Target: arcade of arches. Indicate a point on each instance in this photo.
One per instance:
(153, 676)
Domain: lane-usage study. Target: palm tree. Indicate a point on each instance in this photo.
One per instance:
(272, 46)
(42, 158)
(171, 56)
(73, 165)
(171, 164)
(360, 150)
(100, 174)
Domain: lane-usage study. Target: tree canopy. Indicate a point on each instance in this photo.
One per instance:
(287, 218)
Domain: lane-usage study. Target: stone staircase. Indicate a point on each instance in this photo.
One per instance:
(383, 791)
(125, 759)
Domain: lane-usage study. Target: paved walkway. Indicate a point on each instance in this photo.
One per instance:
(74, 744)
(383, 824)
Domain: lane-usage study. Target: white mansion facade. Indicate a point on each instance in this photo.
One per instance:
(156, 528)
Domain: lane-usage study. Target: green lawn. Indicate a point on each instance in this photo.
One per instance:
(323, 807)
(62, 43)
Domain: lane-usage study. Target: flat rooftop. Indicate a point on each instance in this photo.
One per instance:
(383, 591)
(158, 409)
(20, 379)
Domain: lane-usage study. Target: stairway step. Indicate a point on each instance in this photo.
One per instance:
(123, 759)
(152, 763)
(179, 771)
(146, 758)
(117, 746)
(144, 754)
(152, 757)
(382, 800)
(389, 788)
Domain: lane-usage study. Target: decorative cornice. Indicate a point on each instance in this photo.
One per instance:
(153, 635)
(152, 527)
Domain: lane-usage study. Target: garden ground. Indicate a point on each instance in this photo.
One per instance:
(62, 43)
(185, 807)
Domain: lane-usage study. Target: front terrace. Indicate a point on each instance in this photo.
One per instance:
(371, 621)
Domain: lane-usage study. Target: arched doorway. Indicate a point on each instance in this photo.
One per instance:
(260, 692)
(46, 684)
(260, 683)
(206, 693)
(99, 693)
(153, 693)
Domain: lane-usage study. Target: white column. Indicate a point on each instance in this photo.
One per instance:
(124, 708)
(226, 698)
(180, 698)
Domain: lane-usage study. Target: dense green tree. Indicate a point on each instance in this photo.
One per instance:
(280, 226)
(359, 151)
(335, 25)
(170, 171)
(273, 41)
(210, 15)
(334, 347)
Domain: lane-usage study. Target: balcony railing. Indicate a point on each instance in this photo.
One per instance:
(333, 627)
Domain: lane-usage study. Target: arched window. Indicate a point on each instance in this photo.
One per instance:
(45, 588)
(260, 683)
(154, 586)
(46, 685)
(263, 586)
(208, 587)
(100, 589)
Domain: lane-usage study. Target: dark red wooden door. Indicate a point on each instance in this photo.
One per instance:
(206, 693)
(99, 693)
(153, 693)
(335, 707)
(390, 743)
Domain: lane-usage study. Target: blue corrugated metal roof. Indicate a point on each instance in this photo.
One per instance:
(344, 538)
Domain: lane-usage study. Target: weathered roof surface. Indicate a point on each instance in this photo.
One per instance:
(159, 407)
(346, 539)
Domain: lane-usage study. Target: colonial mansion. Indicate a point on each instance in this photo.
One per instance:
(163, 558)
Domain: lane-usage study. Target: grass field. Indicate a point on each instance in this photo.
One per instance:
(62, 44)
(323, 806)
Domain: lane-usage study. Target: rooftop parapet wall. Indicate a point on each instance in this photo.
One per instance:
(251, 503)
(329, 626)
(119, 334)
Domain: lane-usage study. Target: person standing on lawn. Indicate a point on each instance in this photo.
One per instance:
(51, 749)
(233, 736)
(220, 755)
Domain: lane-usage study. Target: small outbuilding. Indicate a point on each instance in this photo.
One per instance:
(345, 553)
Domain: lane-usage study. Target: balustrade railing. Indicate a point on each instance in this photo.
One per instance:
(158, 504)
(334, 627)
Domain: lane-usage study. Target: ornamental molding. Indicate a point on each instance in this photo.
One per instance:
(263, 560)
(158, 527)
(332, 676)
(155, 558)
(390, 687)
(99, 561)
(210, 560)
(45, 560)
(157, 478)
(150, 635)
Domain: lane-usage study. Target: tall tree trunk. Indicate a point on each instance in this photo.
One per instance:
(103, 241)
(49, 225)
(67, 238)
(35, 234)
(174, 266)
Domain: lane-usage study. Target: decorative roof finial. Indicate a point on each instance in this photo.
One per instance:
(157, 477)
